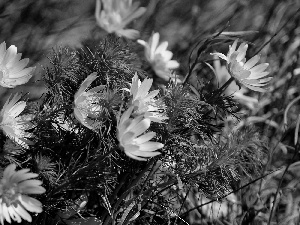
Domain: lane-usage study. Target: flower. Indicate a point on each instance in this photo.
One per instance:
(144, 102)
(246, 73)
(135, 144)
(116, 14)
(159, 57)
(13, 125)
(12, 72)
(87, 108)
(14, 202)
(240, 94)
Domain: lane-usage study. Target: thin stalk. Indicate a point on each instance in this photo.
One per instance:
(281, 180)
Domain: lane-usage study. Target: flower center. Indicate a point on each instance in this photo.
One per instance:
(9, 192)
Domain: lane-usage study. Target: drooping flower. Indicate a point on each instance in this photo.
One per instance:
(233, 89)
(12, 72)
(159, 57)
(133, 139)
(246, 73)
(87, 108)
(144, 102)
(14, 203)
(14, 125)
(116, 14)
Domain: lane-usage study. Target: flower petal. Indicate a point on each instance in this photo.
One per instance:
(151, 146)
(251, 62)
(30, 204)
(144, 138)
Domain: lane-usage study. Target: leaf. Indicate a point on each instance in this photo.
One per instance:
(86, 221)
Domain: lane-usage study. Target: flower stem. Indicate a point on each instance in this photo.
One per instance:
(221, 89)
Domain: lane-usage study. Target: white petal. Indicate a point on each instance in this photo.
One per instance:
(85, 84)
(22, 73)
(144, 88)
(9, 171)
(259, 68)
(140, 11)
(145, 154)
(232, 48)
(125, 116)
(5, 212)
(133, 124)
(23, 213)
(144, 138)
(251, 62)
(162, 47)
(153, 44)
(222, 56)
(11, 53)
(128, 33)
(134, 157)
(13, 214)
(172, 64)
(30, 204)
(21, 175)
(242, 52)
(17, 109)
(15, 63)
(142, 42)
(167, 55)
(258, 75)
(255, 88)
(135, 86)
(141, 127)
(151, 146)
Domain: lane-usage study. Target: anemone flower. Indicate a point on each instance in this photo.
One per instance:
(87, 108)
(14, 203)
(245, 72)
(12, 72)
(116, 14)
(133, 139)
(144, 102)
(13, 125)
(159, 57)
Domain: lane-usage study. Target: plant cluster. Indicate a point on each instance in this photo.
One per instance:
(121, 137)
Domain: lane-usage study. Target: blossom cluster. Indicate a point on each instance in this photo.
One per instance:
(134, 122)
(141, 107)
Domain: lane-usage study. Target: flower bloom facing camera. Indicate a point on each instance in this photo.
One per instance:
(116, 14)
(87, 108)
(13, 125)
(14, 203)
(159, 57)
(245, 72)
(144, 102)
(12, 72)
(133, 141)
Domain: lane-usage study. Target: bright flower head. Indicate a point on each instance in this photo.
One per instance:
(246, 73)
(144, 102)
(13, 125)
(14, 203)
(12, 72)
(135, 144)
(159, 57)
(116, 14)
(87, 108)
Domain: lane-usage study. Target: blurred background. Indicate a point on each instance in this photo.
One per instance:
(38, 27)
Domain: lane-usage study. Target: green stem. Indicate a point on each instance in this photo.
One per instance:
(221, 89)
(281, 180)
